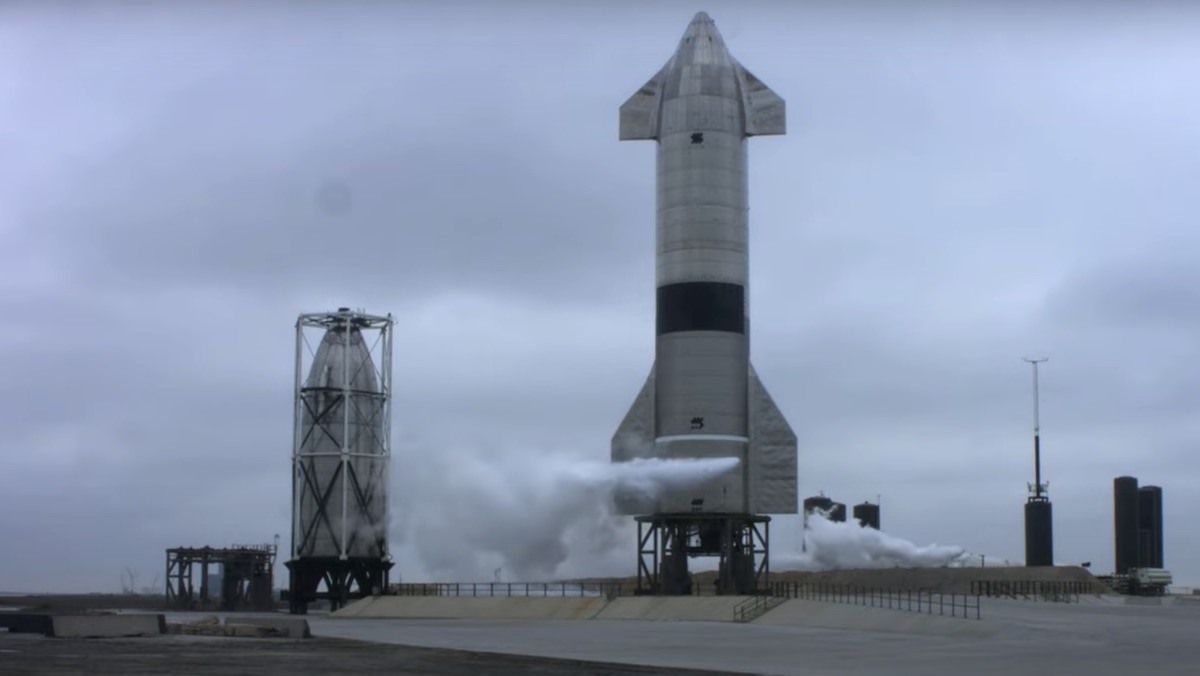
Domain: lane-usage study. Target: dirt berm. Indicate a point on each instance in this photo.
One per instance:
(945, 580)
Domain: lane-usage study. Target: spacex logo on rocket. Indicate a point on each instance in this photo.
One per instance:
(703, 398)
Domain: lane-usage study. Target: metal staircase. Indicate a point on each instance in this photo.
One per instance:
(754, 607)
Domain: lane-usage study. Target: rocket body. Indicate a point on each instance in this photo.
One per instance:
(703, 398)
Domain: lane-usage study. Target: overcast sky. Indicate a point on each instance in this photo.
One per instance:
(957, 189)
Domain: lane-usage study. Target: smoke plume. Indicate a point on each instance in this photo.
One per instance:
(834, 545)
(530, 517)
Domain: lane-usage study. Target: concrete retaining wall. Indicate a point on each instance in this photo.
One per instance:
(492, 608)
(793, 612)
(26, 623)
(286, 627)
(107, 626)
(244, 627)
(668, 608)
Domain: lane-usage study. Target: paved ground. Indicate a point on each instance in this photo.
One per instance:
(22, 654)
(1031, 639)
(1099, 639)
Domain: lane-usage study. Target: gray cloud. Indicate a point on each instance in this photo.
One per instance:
(957, 189)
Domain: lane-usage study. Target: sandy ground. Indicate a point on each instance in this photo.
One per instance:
(186, 656)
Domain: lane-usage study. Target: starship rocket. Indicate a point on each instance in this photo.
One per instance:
(703, 398)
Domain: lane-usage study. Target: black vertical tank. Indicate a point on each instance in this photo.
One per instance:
(817, 502)
(1039, 533)
(1125, 523)
(867, 515)
(837, 513)
(1150, 538)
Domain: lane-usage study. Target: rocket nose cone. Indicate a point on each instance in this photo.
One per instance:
(701, 43)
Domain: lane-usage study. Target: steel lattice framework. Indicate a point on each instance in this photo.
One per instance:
(246, 574)
(340, 455)
(741, 542)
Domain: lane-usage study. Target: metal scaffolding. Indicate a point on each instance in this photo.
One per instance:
(667, 541)
(245, 578)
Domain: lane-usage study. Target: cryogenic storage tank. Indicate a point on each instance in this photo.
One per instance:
(342, 449)
(1125, 523)
(867, 515)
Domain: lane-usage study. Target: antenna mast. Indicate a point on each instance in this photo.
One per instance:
(1038, 487)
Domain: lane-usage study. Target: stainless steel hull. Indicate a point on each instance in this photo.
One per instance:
(703, 398)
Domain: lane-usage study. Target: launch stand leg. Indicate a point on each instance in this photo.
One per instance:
(344, 580)
(667, 541)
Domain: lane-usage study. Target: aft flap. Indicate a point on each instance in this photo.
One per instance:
(772, 454)
(635, 436)
(635, 439)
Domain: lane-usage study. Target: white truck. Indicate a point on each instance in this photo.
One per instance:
(1149, 581)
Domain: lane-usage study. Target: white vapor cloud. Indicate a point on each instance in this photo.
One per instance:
(534, 515)
(832, 545)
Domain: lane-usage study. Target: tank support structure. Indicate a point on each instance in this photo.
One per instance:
(344, 580)
(667, 541)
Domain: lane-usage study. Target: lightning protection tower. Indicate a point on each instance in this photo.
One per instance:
(340, 454)
(1039, 523)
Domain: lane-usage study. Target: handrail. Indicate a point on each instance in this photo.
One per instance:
(1059, 591)
(750, 608)
(491, 589)
(927, 601)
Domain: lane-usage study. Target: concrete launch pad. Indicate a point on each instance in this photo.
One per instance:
(1099, 636)
(1098, 639)
(187, 656)
(727, 609)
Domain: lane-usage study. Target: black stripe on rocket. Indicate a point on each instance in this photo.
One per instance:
(701, 306)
